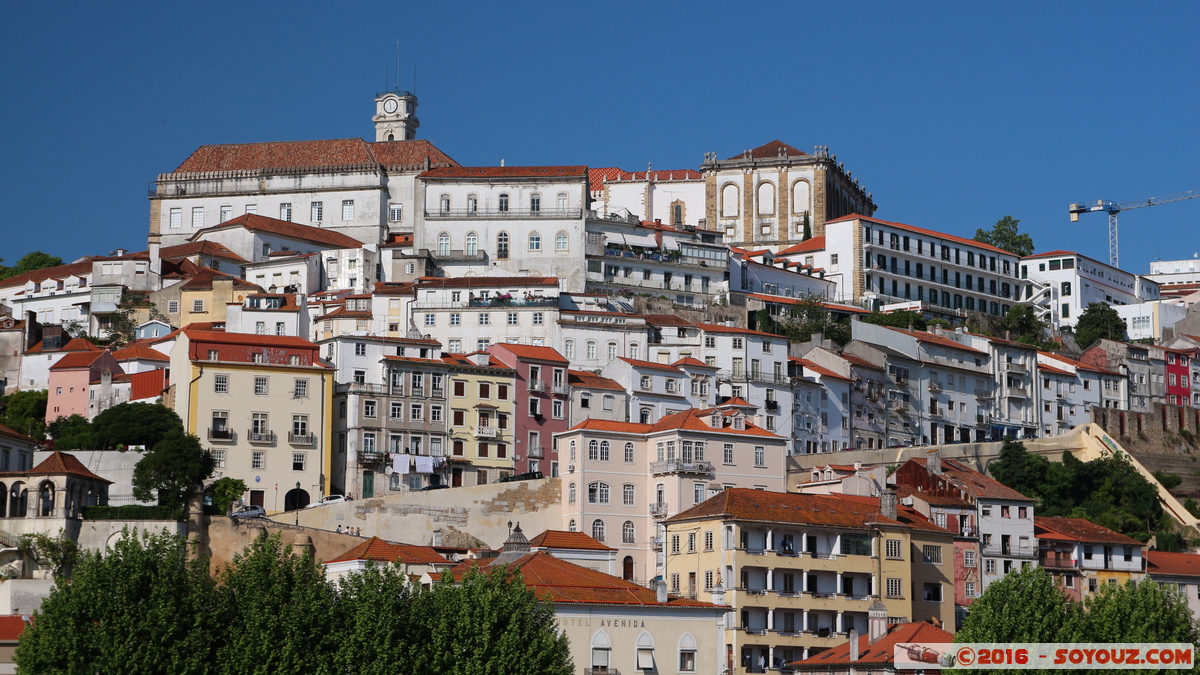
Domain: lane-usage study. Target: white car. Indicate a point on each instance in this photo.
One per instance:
(330, 499)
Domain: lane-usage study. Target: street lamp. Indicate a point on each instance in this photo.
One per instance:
(296, 503)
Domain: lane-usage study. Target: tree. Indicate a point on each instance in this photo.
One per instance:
(140, 607)
(226, 491)
(278, 612)
(809, 316)
(134, 424)
(1005, 235)
(1022, 606)
(1169, 481)
(807, 227)
(1020, 470)
(1129, 612)
(386, 618)
(57, 554)
(1099, 321)
(902, 319)
(25, 411)
(35, 260)
(71, 433)
(173, 468)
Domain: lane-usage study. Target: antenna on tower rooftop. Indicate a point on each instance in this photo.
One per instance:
(397, 64)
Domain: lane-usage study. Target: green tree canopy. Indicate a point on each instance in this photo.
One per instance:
(71, 433)
(1099, 321)
(807, 317)
(1022, 606)
(35, 260)
(174, 468)
(1144, 612)
(1004, 234)
(227, 490)
(902, 319)
(25, 411)
(140, 608)
(134, 424)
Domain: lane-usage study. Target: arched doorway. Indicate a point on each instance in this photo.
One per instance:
(627, 568)
(19, 500)
(295, 499)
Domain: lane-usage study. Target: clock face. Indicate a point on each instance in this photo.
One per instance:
(389, 106)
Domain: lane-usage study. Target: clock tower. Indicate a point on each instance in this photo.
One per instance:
(395, 116)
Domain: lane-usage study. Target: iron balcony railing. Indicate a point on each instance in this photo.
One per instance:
(226, 435)
(658, 509)
(457, 255)
(1010, 551)
(677, 466)
(487, 432)
(537, 386)
(260, 436)
(370, 457)
(302, 439)
(495, 214)
(560, 389)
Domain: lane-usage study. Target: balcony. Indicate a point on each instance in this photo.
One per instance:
(937, 412)
(656, 543)
(1016, 392)
(450, 255)
(264, 437)
(897, 405)
(302, 439)
(537, 451)
(503, 214)
(981, 420)
(487, 432)
(935, 386)
(1010, 551)
(370, 457)
(677, 466)
(438, 393)
(561, 389)
(771, 406)
(222, 435)
(601, 670)
(752, 376)
(983, 393)
(1015, 368)
(1057, 561)
(658, 510)
(537, 386)
(361, 388)
(505, 300)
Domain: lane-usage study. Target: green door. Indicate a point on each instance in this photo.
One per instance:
(368, 484)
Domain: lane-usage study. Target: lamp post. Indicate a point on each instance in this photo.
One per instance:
(296, 503)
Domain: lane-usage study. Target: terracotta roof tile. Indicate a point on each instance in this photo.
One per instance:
(638, 363)
(813, 244)
(717, 328)
(197, 335)
(506, 172)
(1181, 564)
(13, 433)
(795, 301)
(970, 481)
(60, 463)
(530, 352)
(792, 507)
(668, 320)
(12, 625)
(203, 280)
(210, 248)
(933, 338)
(692, 363)
(818, 369)
(77, 360)
(880, 652)
(580, 378)
(305, 154)
(572, 540)
(921, 230)
(409, 154)
(382, 551)
(1047, 254)
(256, 223)
(598, 176)
(1078, 529)
(75, 269)
(140, 350)
(1054, 371)
(768, 150)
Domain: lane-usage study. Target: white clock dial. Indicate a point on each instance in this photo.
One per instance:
(389, 106)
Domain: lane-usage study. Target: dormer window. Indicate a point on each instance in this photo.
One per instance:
(739, 424)
(715, 421)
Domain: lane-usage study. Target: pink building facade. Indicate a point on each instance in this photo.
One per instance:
(542, 404)
(69, 382)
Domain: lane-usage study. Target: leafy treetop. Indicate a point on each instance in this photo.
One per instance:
(1098, 322)
(1005, 235)
(35, 260)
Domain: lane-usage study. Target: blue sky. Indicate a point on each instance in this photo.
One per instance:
(952, 114)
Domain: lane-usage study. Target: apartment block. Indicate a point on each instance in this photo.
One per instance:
(1082, 556)
(1061, 284)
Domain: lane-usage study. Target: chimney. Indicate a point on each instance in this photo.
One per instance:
(876, 622)
(854, 648)
(934, 462)
(887, 503)
(660, 591)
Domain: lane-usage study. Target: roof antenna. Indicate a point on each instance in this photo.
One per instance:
(414, 91)
(397, 64)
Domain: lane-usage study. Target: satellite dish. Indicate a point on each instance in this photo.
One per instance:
(388, 470)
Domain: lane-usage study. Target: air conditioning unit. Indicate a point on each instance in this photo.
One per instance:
(907, 501)
(516, 458)
(570, 468)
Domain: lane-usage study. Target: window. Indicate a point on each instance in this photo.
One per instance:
(598, 493)
(197, 305)
(176, 219)
(968, 558)
(932, 554)
(628, 493)
(198, 216)
(260, 386)
(598, 530)
(285, 212)
(297, 461)
(560, 241)
(571, 493)
(591, 349)
(535, 202)
(895, 588)
(629, 453)
(221, 384)
(219, 458)
(728, 457)
(316, 211)
(395, 212)
(627, 532)
(512, 318)
(535, 241)
(759, 454)
(933, 592)
(893, 549)
(969, 588)
(989, 566)
(502, 246)
(258, 460)
(443, 244)
(347, 209)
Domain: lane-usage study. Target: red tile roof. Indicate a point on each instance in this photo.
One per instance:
(686, 420)
(13, 433)
(140, 351)
(818, 369)
(561, 581)
(881, 652)
(1079, 365)
(303, 154)
(425, 283)
(59, 463)
(580, 378)
(813, 244)
(1048, 254)
(598, 176)
(637, 363)
(80, 268)
(530, 352)
(768, 150)
(692, 363)
(1078, 529)
(795, 301)
(203, 280)
(1180, 564)
(210, 248)
(1054, 371)
(791, 507)
(256, 223)
(572, 540)
(737, 402)
(717, 328)
(939, 340)
(197, 335)
(668, 320)
(921, 230)
(970, 481)
(77, 360)
(12, 625)
(383, 551)
(506, 172)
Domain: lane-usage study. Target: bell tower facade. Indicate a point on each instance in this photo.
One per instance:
(395, 116)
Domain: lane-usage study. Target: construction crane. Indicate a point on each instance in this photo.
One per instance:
(1113, 208)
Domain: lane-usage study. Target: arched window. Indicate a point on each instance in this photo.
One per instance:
(502, 246)
(800, 197)
(593, 450)
(504, 201)
(535, 241)
(635, 352)
(660, 494)
(591, 350)
(562, 202)
(729, 201)
(472, 204)
(766, 199)
(570, 493)
(598, 493)
(46, 499)
(472, 243)
(443, 244)
(598, 529)
(644, 416)
(628, 494)
(560, 241)
(571, 527)
(629, 453)
(603, 451)
(535, 202)
(569, 348)
(444, 202)
(612, 351)
(572, 451)
(627, 532)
